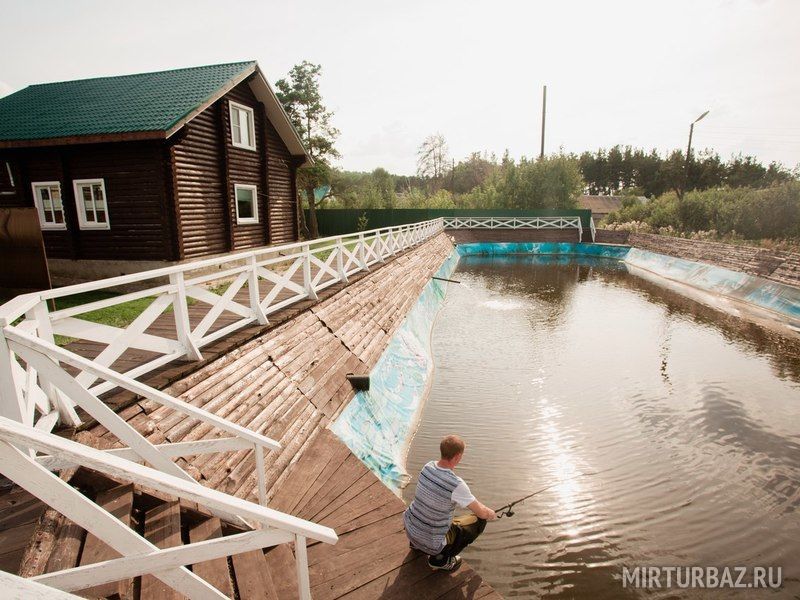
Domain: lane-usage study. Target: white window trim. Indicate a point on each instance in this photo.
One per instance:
(79, 204)
(40, 209)
(247, 220)
(252, 122)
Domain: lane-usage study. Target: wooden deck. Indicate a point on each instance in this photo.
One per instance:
(288, 382)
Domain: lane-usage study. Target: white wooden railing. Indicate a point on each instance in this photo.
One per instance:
(42, 384)
(275, 277)
(516, 223)
(30, 453)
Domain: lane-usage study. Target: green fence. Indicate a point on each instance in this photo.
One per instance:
(340, 221)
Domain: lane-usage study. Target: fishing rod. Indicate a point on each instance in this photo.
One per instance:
(506, 511)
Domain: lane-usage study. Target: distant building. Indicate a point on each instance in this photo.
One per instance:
(601, 206)
(139, 171)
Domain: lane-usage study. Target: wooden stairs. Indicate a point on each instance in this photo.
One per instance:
(164, 521)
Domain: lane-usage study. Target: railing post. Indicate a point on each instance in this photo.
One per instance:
(252, 288)
(11, 404)
(361, 253)
(44, 329)
(181, 309)
(379, 243)
(307, 282)
(301, 558)
(260, 469)
(340, 260)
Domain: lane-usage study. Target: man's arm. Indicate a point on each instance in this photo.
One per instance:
(482, 511)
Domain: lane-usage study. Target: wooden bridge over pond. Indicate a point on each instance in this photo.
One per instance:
(196, 459)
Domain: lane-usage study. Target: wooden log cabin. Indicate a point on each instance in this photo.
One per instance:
(140, 171)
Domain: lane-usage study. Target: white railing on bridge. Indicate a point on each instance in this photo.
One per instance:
(516, 223)
(42, 384)
(30, 453)
(275, 277)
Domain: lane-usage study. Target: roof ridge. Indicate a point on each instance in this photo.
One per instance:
(228, 64)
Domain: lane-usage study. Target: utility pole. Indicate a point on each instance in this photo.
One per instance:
(689, 148)
(544, 112)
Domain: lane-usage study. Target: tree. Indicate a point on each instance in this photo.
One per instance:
(432, 157)
(470, 173)
(551, 182)
(301, 98)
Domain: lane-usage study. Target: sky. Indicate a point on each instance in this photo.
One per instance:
(617, 72)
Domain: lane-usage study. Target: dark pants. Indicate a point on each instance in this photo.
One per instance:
(463, 531)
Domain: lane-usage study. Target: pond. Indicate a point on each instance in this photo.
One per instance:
(669, 432)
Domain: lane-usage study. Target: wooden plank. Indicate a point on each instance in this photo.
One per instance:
(281, 567)
(395, 582)
(14, 541)
(348, 571)
(334, 467)
(438, 584)
(213, 571)
(67, 547)
(307, 469)
(253, 578)
(355, 539)
(119, 502)
(162, 526)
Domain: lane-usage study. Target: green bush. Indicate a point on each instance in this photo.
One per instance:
(772, 212)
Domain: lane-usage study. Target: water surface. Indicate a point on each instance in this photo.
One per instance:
(556, 368)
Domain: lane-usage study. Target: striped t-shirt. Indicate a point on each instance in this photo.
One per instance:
(430, 514)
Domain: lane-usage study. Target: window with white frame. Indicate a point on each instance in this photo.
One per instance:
(246, 204)
(90, 200)
(47, 197)
(243, 130)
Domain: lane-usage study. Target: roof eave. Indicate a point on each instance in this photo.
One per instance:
(278, 117)
(219, 93)
(274, 109)
(95, 138)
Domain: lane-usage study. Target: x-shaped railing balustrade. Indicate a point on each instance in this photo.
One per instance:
(518, 223)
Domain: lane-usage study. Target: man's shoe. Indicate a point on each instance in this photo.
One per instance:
(451, 564)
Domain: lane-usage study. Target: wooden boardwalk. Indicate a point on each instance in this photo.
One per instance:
(288, 382)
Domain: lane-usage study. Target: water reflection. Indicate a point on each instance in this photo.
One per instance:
(688, 419)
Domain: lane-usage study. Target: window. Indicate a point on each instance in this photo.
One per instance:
(246, 204)
(47, 197)
(90, 200)
(243, 131)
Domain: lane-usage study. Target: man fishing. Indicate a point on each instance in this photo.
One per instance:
(429, 522)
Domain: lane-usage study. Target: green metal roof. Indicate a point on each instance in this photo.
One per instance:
(112, 105)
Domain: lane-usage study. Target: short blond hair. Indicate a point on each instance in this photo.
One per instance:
(451, 446)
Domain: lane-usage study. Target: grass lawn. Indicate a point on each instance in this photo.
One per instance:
(119, 315)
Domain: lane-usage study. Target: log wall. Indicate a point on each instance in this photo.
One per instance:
(135, 182)
(208, 166)
(281, 172)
